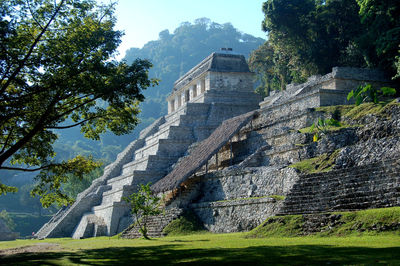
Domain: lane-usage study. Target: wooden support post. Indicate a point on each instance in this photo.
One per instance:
(206, 167)
(231, 153)
(216, 161)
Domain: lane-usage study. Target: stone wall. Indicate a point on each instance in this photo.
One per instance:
(232, 81)
(240, 199)
(245, 183)
(235, 215)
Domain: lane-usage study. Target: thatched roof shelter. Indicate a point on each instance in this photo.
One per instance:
(202, 153)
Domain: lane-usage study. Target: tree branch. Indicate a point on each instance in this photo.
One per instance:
(7, 139)
(25, 169)
(76, 124)
(39, 125)
(30, 51)
(73, 109)
(33, 15)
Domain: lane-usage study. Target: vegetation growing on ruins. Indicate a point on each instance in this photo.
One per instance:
(358, 223)
(186, 224)
(319, 164)
(368, 93)
(143, 204)
(352, 113)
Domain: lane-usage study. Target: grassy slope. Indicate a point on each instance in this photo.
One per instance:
(211, 248)
(372, 222)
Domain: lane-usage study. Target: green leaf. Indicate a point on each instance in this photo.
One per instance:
(387, 91)
(7, 189)
(312, 127)
(350, 95)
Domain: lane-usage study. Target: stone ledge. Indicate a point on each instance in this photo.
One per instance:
(236, 202)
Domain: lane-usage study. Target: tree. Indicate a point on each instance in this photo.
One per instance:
(271, 69)
(307, 37)
(143, 204)
(7, 219)
(57, 72)
(33, 204)
(381, 41)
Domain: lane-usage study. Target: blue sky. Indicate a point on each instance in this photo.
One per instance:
(142, 20)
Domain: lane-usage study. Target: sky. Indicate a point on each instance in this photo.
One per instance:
(143, 20)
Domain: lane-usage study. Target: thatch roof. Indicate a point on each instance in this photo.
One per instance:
(202, 153)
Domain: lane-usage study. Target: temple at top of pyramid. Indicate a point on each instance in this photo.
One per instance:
(222, 71)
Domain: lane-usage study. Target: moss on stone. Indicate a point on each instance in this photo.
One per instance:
(365, 222)
(279, 226)
(328, 128)
(322, 163)
(186, 224)
(277, 197)
(341, 112)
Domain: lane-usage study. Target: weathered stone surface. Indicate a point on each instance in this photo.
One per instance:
(246, 183)
(236, 215)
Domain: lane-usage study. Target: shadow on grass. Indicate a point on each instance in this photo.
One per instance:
(171, 254)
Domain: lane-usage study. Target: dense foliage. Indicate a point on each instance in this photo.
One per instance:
(308, 37)
(57, 72)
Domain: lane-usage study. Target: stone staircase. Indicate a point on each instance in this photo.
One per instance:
(155, 224)
(350, 189)
(273, 139)
(150, 163)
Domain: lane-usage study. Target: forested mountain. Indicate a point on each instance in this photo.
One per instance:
(172, 55)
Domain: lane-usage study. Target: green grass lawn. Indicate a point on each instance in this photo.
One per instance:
(206, 248)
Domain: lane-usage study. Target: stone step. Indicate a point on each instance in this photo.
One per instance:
(197, 108)
(116, 195)
(164, 147)
(137, 175)
(274, 123)
(171, 132)
(90, 226)
(337, 185)
(150, 162)
(185, 120)
(372, 199)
